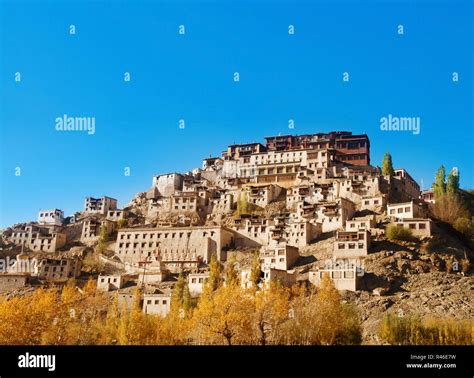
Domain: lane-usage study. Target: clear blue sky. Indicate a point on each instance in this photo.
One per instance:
(191, 77)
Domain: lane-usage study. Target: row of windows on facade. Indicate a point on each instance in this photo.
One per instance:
(199, 280)
(156, 301)
(338, 274)
(412, 226)
(42, 215)
(351, 157)
(273, 261)
(159, 235)
(367, 202)
(350, 246)
(400, 210)
(114, 280)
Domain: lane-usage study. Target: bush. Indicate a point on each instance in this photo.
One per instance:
(122, 223)
(464, 226)
(393, 232)
(413, 330)
(449, 208)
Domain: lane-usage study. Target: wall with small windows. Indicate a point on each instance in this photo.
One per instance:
(157, 304)
(422, 228)
(134, 245)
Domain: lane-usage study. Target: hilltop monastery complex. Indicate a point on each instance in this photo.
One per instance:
(277, 198)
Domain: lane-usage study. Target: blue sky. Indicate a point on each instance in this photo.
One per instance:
(190, 77)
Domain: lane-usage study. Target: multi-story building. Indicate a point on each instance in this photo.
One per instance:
(280, 257)
(405, 184)
(173, 243)
(168, 183)
(422, 228)
(405, 210)
(236, 151)
(346, 277)
(263, 195)
(351, 244)
(39, 238)
(349, 149)
(53, 217)
(428, 196)
(99, 205)
(157, 304)
(361, 223)
(91, 229)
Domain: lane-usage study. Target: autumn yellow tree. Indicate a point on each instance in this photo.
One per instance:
(224, 317)
(135, 327)
(271, 310)
(215, 275)
(231, 275)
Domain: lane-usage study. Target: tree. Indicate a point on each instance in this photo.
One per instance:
(215, 275)
(256, 270)
(439, 185)
(224, 317)
(231, 275)
(242, 203)
(103, 238)
(272, 306)
(387, 166)
(452, 186)
(110, 330)
(178, 291)
(330, 315)
(449, 209)
(181, 297)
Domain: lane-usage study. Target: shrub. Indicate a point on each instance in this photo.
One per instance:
(464, 226)
(449, 208)
(398, 233)
(122, 223)
(413, 330)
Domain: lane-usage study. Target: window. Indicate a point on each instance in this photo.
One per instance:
(148, 301)
(412, 226)
(407, 209)
(165, 302)
(422, 226)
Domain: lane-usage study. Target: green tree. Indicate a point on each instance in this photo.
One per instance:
(103, 238)
(452, 186)
(439, 187)
(387, 166)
